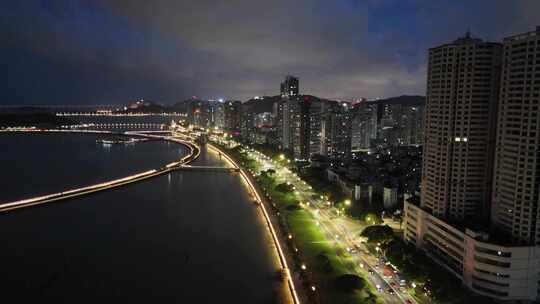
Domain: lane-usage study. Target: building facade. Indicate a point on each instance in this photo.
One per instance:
(462, 93)
(503, 264)
(336, 132)
(517, 167)
(363, 125)
(412, 125)
(232, 116)
(290, 87)
(503, 272)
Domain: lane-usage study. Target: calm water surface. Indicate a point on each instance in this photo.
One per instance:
(34, 164)
(185, 237)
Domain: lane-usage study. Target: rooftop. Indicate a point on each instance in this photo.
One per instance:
(524, 35)
(467, 38)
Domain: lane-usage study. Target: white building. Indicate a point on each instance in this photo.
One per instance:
(488, 268)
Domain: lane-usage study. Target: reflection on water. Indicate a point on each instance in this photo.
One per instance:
(186, 237)
(36, 164)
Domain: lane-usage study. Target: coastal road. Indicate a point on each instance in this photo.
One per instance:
(341, 230)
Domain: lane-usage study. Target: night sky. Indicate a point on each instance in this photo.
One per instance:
(112, 51)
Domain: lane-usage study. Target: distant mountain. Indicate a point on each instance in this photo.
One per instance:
(142, 106)
(180, 107)
(40, 120)
(261, 104)
(408, 100)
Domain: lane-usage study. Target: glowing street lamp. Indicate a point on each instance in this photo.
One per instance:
(347, 202)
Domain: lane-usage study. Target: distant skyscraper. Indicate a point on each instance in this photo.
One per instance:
(301, 128)
(462, 93)
(290, 87)
(517, 167)
(279, 121)
(219, 114)
(411, 125)
(198, 112)
(363, 125)
(317, 112)
(336, 131)
(295, 126)
(247, 121)
(232, 115)
(289, 111)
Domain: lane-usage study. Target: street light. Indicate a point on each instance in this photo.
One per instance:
(347, 202)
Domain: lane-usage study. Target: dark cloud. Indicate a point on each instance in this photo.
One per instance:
(111, 51)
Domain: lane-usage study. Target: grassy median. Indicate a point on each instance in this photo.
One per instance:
(321, 262)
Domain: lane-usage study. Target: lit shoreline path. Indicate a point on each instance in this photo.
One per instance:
(193, 154)
(281, 255)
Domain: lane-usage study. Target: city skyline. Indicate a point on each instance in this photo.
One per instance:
(101, 53)
(310, 151)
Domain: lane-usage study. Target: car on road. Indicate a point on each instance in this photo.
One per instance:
(390, 291)
(371, 271)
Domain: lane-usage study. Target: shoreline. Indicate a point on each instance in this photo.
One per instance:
(284, 256)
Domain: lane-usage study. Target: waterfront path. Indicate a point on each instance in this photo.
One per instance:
(283, 260)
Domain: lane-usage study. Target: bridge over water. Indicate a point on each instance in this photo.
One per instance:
(182, 164)
(208, 168)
